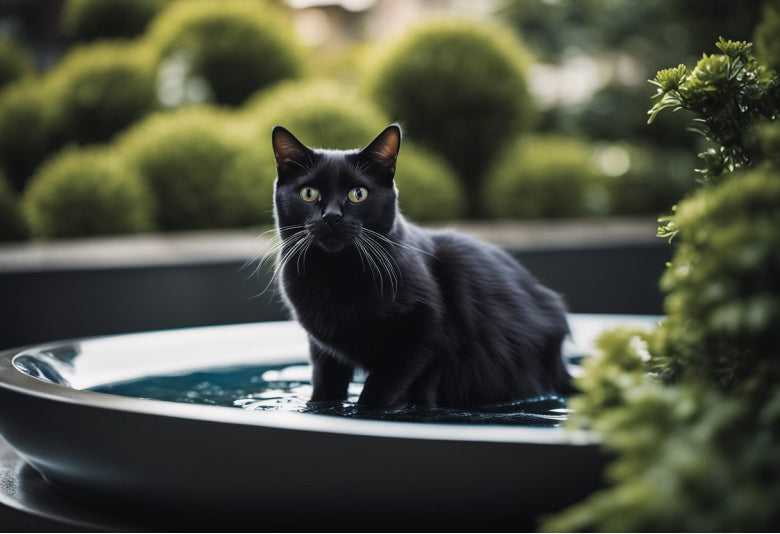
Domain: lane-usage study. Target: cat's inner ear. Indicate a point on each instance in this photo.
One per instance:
(287, 149)
(383, 151)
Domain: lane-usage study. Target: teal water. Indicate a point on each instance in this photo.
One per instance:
(288, 388)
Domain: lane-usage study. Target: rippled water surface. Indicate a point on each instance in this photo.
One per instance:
(288, 388)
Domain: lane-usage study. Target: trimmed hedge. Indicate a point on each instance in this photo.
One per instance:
(11, 222)
(320, 114)
(15, 62)
(89, 20)
(428, 189)
(86, 191)
(547, 177)
(101, 89)
(234, 47)
(190, 161)
(27, 116)
(459, 88)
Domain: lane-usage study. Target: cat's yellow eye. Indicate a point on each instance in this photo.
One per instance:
(357, 194)
(309, 194)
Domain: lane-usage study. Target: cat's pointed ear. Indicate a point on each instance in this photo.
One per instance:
(383, 151)
(288, 151)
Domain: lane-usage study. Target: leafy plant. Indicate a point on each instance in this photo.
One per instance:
(87, 191)
(188, 159)
(459, 88)
(11, 222)
(731, 93)
(90, 20)
(692, 409)
(224, 51)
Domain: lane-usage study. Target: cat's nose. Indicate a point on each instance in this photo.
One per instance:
(331, 216)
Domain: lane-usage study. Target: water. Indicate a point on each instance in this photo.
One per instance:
(288, 388)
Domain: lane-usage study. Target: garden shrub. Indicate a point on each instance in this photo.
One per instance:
(320, 114)
(460, 90)
(86, 191)
(548, 177)
(11, 222)
(428, 189)
(100, 90)
(723, 287)
(767, 43)
(89, 20)
(27, 113)
(229, 49)
(188, 160)
(694, 414)
(15, 62)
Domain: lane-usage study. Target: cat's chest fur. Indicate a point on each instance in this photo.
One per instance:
(344, 308)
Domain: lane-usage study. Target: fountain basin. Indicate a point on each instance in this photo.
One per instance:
(195, 466)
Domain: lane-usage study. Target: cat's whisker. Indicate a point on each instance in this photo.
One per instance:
(380, 261)
(386, 239)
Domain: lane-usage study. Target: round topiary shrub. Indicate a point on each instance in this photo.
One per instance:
(86, 191)
(319, 114)
(223, 50)
(11, 222)
(89, 20)
(766, 35)
(459, 88)
(101, 89)
(548, 177)
(189, 160)
(428, 189)
(26, 129)
(15, 62)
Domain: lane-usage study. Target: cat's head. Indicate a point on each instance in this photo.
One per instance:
(334, 195)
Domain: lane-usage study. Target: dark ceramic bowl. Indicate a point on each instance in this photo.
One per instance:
(196, 466)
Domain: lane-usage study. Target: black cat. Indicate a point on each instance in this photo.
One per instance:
(435, 318)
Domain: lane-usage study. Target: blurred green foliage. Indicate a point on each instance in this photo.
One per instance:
(11, 221)
(459, 88)
(321, 114)
(27, 118)
(692, 409)
(550, 177)
(428, 189)
(100, 90)
(225, 50)
(188, 160)
(15, 62)
(91, 20)
(87, 191)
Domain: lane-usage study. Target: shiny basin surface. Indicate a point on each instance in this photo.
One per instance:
(191, 466)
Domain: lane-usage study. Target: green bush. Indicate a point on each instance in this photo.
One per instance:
(427, 188)
(320, 114)
(89, 20)
(27, 115)
(459, 88)
(225, 50)
(189, 160)
(15, 62)
(11, 222)
(549, 177)
(724, 292)
(86, 192)
(766, 35)
(101, 89)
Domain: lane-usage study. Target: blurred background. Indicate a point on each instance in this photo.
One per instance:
(128, 116)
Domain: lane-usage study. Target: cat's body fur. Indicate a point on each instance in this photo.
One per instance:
(434, 317)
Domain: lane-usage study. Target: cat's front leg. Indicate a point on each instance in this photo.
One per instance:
(330, 376)
(390, 385)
